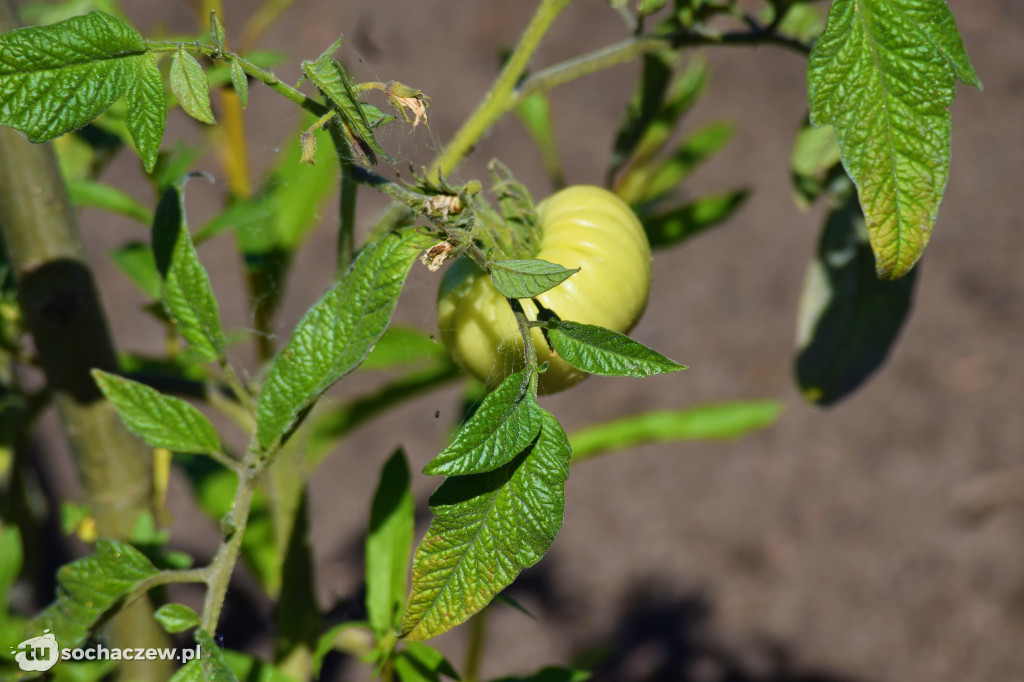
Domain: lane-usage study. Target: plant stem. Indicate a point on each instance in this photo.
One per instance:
(62, 311)
(475, 646)
(346, 202)
(497, 100)
(219, 571)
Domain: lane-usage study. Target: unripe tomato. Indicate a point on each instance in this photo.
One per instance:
(583, 227)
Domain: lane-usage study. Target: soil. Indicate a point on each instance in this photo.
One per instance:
(832, 547)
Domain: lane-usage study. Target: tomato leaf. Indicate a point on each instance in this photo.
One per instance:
(417, 662)
(597, 350)
(504, 425)
(814, 163)
(187, 295)
(161, 420)
(692, 151)
(190, 87)
(210, 667)
(95, 194)
(404, 346)
(849, 319)
(333, 81)
(683, 222)
(389, 546)
(527, 278)
(336, 334)
(146, 113)
(137, 262)
(707, 422)
(486, 529)
(175, 618)
(240, 82)
(57, 78)
(88, 588)
(883, 74)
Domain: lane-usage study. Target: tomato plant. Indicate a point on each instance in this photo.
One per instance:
(583, 227)
(539, 296)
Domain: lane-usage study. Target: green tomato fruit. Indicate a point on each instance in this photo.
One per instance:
(583, 227)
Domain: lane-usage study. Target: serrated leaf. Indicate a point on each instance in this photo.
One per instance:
(486, 529)
(389, 546)
(336, 334)
(601, 351)
(240, 82)
(417, 662)
(146, 111)
(137, 262)
(505, 424)
(883, 74)
(57, 78)
(94, 194)
(707, 422)
(849, 320)
(176, 618)
(162, 421)
(551, 674)
(332, 80)
(190, 87)
(679, 224)
(88, 588)
(186, 293)
(527, 278)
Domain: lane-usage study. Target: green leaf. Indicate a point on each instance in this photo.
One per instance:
(418, 662)
(88, 588)
(210, 667)
(240, 82)
(161, 420)
(849, 320)
(504, 425)
(106, 197)
(136, 260)
(535, 114)
(57, 78)
(11, 556)
(708, 422)
(146, 113)
(176, 618)
(187, 294)
(336, 334)
(644, 106)
(692, 151)
(404, 346)
(327, 428)
(527, 278)
(679, 224)
(190, 87)
(551, 674)
(814, 163)
(218, 34)
(486, 529)
(883, 74)
(601, 351)
(332, 80)
(326, 643)
(252, 669)
(389, 546)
